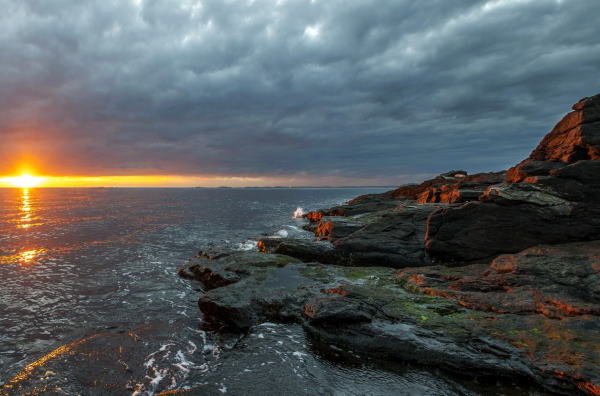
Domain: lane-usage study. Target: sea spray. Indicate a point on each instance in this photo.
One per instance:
(282, 234)
(298, 213)
(248, 245)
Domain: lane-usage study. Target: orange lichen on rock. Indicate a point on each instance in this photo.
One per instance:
(589, 387)
(324, 230)
(417, 280)
(573, 139)
(310, 310)
(314, 216)
(336, 290)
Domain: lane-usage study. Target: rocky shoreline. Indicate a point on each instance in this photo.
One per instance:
(493, 275)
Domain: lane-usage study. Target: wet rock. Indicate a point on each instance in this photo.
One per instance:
(550, 294)
(302, 249)
(364, 204)
(227, 268)
(392, 238)
(375, 311)
(585, 171)
(509, 218)
(552, 280)
(396, 239)
(335, 227)
(481, 230)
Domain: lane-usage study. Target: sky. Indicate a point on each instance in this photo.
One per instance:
(286, 92)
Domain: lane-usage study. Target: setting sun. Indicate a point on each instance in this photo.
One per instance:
(24, 181)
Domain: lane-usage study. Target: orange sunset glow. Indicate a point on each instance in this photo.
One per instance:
(30, 181)
(33, 179)
(23, 181)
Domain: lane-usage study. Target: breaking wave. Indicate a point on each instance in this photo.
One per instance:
(298, 213)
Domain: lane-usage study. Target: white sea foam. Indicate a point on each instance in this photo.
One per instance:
(159, 375)
(282, 234)
(248, 245)
(150, 362)
(298, 213)
(299, 354)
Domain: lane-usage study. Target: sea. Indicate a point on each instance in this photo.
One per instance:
(91, 303)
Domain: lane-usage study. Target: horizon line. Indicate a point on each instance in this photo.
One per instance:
(197, 187)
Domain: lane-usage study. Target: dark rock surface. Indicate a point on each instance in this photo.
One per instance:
(550, 293)
(477, 230)
(451, 187)
(302, 249)
(333, 228)
(375, 311)
(575, 138)
(370, 203)
(395, 240)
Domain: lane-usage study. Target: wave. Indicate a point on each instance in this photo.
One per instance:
(298, 213)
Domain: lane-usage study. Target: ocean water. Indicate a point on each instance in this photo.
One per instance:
(91, 304)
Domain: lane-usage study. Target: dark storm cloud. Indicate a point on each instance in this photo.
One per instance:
(348, 88)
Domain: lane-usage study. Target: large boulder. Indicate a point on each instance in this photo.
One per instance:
(576, 137)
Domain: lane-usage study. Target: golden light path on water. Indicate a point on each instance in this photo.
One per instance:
(25, 220)
(62, 350)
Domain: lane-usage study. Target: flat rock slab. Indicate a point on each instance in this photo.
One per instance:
(375, 311)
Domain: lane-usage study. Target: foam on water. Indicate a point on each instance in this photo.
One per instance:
(250, 244)
(298, 213)
(282, 234)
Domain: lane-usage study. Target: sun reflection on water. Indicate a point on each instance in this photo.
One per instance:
(29, 256)
(25, 219)
(23, 258)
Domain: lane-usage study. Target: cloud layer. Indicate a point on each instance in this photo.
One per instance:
(377, 90)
